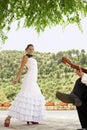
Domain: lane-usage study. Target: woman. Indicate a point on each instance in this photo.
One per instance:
(29, 103)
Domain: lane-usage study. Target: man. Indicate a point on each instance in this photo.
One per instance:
(78, 97)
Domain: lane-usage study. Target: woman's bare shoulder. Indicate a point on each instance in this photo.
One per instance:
(24, 58)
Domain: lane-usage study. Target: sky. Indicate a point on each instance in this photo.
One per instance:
(53, 39)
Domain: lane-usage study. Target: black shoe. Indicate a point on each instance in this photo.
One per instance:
(27, 122)
(69, 98)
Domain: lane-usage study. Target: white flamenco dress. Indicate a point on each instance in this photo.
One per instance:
(29, 104)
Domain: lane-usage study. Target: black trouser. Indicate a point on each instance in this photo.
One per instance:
(80, 90)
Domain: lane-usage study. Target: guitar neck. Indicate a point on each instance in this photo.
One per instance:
(74, 66)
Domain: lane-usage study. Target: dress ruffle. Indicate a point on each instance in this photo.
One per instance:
(28, 107)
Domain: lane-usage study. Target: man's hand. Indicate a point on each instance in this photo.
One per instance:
(80, 72)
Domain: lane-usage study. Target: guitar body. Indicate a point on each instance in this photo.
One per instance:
(74, 66)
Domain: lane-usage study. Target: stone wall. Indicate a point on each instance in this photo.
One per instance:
(59, 106)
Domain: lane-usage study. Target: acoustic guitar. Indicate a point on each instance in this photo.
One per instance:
(72, 65)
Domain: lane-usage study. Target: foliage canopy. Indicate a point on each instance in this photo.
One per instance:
(40, 13)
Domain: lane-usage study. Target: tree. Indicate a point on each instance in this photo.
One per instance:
(40, 13)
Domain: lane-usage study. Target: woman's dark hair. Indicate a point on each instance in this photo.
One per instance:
(29, 46)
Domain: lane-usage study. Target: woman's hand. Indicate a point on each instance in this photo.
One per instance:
(80, 72)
